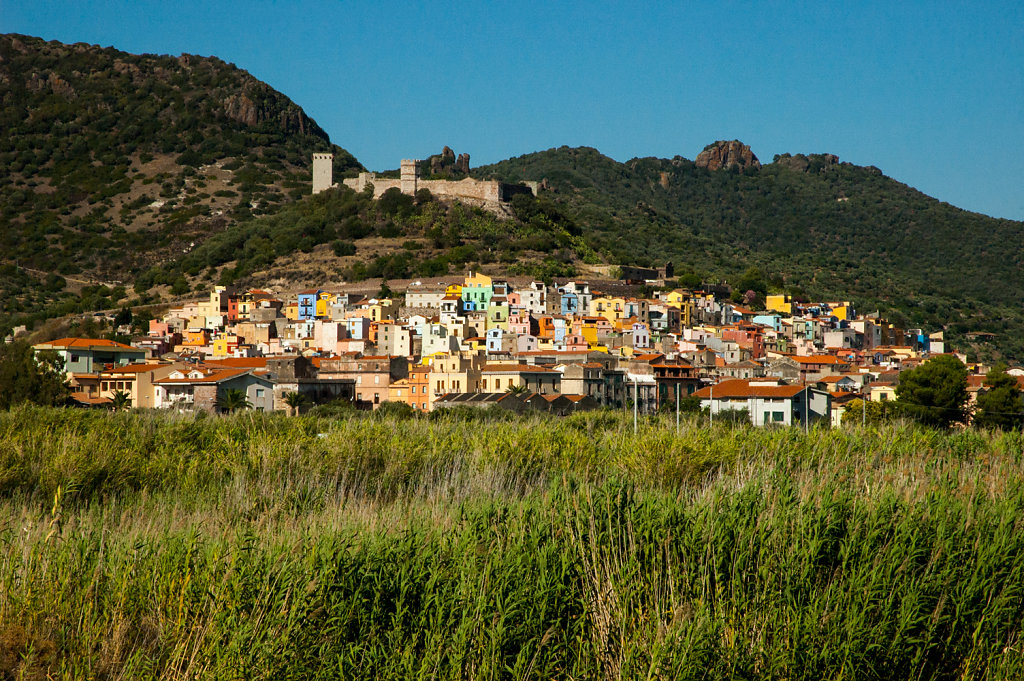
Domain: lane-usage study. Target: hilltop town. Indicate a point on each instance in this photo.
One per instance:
(481, 341)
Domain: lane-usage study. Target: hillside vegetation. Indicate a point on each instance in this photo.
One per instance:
(813, 225)
(114, 162)
(265, 547)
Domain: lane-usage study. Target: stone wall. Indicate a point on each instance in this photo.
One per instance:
(205, 398)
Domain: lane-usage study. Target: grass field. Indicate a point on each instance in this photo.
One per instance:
(138, 546)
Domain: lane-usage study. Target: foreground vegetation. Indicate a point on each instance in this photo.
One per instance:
(155, 546)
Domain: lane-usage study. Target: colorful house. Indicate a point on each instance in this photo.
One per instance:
(307, 303)
(88, 355)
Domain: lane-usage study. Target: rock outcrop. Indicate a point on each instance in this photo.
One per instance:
(284, 116)
(447, 164)
(809, 163)
(723, 154)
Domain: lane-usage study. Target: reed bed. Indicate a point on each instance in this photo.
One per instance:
(138, 546)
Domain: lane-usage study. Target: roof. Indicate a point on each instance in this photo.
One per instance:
(743, 389)
(83, 398)
(239, 362)
(211, 377)
(87, 344)
(836, 379)
(817, 359)
(135, 368)
(516, 368)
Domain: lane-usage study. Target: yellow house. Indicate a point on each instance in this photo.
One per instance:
(224, 346)
(291, 311)
(323, 305)
(779, 302)
(453, 290)
(842, 311)
(474, 344)
(682, 301)
(477, 280)
(608, 307)
(382, 309)
(882, 392)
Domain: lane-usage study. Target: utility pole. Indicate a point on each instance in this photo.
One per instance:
(711, 406)
(635, 396)
(677, 409)
(807, 407)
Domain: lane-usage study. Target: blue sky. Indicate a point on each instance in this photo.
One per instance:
(930, 92)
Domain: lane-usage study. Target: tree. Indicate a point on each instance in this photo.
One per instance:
(517, 390)
(179, 287)
(935, 393)
(124, 316)
(868, 412)
(1000, 405)
(294, 400)
(233, 399)
(120, 400)
(29, 377)
(385, 290)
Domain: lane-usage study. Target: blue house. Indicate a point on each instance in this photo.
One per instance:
(307, 303)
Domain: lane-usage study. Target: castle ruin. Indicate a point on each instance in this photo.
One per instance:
(490, 195)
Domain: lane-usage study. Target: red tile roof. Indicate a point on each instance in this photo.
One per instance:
(87, 343)
(239, 362)
(817, 359)
(742, 389)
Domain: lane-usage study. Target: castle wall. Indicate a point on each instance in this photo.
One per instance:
(488, 194)
(467, 188)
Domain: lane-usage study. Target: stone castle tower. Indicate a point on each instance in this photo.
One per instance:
(410, 174)
(323, 172)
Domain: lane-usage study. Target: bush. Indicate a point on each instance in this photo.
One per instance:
(343, 248)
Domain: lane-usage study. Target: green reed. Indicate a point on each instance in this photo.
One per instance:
(159, 546)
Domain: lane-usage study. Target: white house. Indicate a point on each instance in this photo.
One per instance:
(768, 401)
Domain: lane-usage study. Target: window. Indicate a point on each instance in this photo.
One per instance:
(778, 416)
(104, 386)
(259, 392)
(376, 398)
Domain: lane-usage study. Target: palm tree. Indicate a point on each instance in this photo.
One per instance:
(233, 399)
(517, 390)
(294, 400)
(120, 400)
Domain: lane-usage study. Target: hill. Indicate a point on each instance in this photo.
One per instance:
(812, 225)
(167, 174)
(118, 161)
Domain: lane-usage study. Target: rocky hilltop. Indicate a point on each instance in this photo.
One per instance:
(727, 155)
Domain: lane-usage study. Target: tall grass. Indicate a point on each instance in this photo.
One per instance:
(155, 546)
